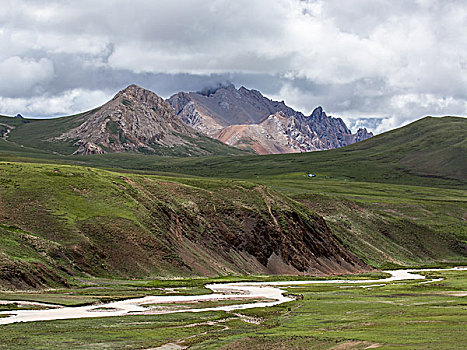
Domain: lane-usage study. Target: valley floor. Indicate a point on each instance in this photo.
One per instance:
(360, 315)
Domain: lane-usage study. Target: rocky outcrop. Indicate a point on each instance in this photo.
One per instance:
(5, 130)
(361, 135)
(246, 119)
(134, 120)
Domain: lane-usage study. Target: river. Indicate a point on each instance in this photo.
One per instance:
(222, 291)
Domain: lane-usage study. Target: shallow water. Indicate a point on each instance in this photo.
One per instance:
(222, 291)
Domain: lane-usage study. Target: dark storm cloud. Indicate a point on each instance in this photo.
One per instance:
(394, 60)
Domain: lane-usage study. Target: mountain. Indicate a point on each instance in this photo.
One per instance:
(135, 120)
(246, 119)
(59, 221)
(188, 124)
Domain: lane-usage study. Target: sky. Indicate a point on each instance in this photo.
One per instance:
(375, 63)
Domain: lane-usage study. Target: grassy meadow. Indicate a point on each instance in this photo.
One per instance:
(407, 315)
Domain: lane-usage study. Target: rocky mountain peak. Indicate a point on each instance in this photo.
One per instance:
(362, 134)
(135, 93)
(136, 119)
(318, 112)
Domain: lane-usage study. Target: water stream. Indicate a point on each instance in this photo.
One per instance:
(222, 291)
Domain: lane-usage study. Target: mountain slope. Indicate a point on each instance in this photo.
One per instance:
(246, 119)
(135, 120)
(430, 146)
(59, 221)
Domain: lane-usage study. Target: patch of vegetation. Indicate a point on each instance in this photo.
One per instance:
(17, 306)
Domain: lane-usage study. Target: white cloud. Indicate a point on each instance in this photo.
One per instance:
(394, 59)
(69, 102)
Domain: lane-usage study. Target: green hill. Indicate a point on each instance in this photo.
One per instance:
(428, 147)
(60, 221)
(398, 199)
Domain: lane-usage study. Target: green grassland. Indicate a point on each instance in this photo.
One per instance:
(405, 315)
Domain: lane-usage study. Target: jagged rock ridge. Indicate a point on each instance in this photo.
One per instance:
(246, 119)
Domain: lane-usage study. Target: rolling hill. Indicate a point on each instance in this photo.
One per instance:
(57, 222)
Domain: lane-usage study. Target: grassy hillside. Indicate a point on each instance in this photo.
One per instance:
(387, 225)
(430, 146)
(40, 133)
(59, 221)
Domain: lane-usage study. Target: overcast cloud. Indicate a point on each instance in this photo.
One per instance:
(393, 60)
